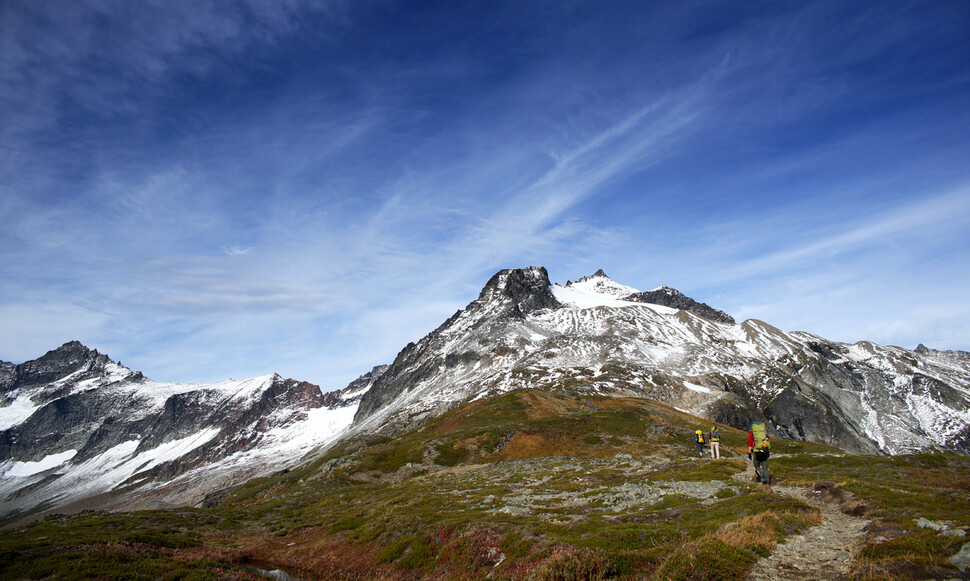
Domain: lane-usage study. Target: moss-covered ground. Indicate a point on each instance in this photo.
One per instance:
(527, 485)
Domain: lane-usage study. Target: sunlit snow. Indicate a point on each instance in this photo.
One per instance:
(698, 388)
(602, 285)
(21, 469)
(587, 299)
(18, 411)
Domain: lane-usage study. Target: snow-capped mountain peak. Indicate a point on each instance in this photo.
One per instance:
(588, 336)
(599, 283)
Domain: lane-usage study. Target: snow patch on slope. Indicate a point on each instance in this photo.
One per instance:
(286, 444)
(940, 423)
(17, 412)
(698, 388)
(586, 298)
(154, 393)
(600, 284)
(22, 469)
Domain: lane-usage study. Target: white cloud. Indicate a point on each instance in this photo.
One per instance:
(924, 219)
(234, 250)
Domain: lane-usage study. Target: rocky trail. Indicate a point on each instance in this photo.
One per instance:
(822, 552)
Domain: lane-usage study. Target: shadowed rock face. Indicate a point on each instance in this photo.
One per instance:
(354, 390)
(520, 290)
(796, 417)
(69, 358)
(668, 297)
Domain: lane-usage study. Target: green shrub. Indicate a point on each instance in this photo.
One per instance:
(449, 455)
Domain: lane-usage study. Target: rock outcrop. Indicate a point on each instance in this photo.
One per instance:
(954, 355)
(673, 298)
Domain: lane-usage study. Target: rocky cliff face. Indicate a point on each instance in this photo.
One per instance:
(75, 424)
(510, 296)
(951, 355)
(597, 335)
(668, 297)
(355, 390)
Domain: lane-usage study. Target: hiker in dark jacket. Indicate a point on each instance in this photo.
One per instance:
(699, 442)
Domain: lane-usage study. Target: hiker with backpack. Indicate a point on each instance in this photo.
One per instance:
(758, 446)
(699, 442)
(715, 443)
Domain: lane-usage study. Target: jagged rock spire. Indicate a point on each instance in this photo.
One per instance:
(524, 289)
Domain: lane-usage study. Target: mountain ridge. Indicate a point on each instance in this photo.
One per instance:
(74, 410)
(74, 424)
(862, 397)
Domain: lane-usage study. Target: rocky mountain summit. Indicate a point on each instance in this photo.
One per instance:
(599, 336)
(354, 391)
(75, 424)
(951, 355)
(600, 283)
(510, 295)
(673, 298)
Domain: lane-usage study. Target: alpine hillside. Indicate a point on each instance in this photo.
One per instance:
(598, 336)
(78, 430)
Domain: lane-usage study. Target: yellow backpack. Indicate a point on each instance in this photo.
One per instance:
(699, 436)
(761, 441)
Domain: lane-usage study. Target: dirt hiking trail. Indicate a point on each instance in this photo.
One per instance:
(822, 552)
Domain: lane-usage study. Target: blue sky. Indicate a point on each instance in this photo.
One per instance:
(226, 189)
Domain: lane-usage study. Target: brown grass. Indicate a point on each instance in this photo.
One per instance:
(310, 554)
(471, 444)
(940, 478)
(453, 420)
(760, 530)
(532, 444)
(546, 405)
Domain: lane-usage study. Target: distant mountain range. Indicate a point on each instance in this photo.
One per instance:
(78, 430)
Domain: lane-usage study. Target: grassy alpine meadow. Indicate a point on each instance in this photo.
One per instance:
(527, 485)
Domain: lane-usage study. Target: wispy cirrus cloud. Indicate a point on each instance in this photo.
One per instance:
(913, 222)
